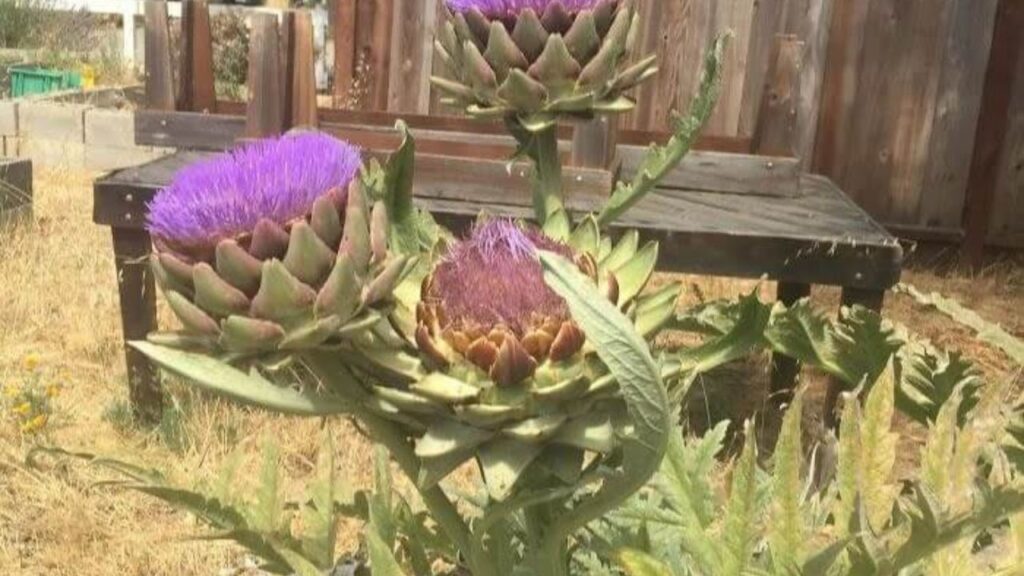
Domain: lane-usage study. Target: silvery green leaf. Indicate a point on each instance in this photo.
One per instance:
(628, 358)
(248, 388)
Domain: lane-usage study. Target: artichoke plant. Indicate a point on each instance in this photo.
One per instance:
(507, 375)
(536, 60)
(272, 248)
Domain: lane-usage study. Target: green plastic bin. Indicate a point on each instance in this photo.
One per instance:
(29, 80)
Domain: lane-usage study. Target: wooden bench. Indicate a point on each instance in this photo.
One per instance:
(724, 212)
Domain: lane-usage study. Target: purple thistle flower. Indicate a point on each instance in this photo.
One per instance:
(493, 278)
(277, 179)
(505, 8)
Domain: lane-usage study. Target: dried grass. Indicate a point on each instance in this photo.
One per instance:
(58, 299)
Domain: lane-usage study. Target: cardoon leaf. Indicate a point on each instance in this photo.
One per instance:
(627, 357)
(637, 563)
(988, 332)
(878, 451)
(660, 160)
(849, 463)
(742, 518)
(298, 563)
(406, 225)
(247, 388)
(267, 513)
(684, 480)
(938, 450)
(786, 525)
(319, 526)
(382, 559)
(746, 334)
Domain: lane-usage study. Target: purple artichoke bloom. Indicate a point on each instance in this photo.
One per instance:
(487, 302)
(493, 278)
(509, 8)
(276, 179)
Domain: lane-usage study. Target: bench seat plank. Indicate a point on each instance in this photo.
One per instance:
(817, 237)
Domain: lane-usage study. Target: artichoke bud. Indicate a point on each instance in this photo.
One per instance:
(572, 58)
(508, 363)
(274, 248)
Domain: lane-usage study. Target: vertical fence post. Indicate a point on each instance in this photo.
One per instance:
(265, 109)
(776, 131)
(344, 51)
(196, 89)
(159, 76)
(302, 72)
(380, 60)
(990, 138)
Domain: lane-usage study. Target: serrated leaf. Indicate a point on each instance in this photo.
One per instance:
(267, 512)
(988, 332)
(741, 513)
(684, 480)
(637, 563)
(660, 160)
(398, 182)
(786, 525)
(627, 357)
(319, 524)
(382, 559)
(252, 389)
(878, 450)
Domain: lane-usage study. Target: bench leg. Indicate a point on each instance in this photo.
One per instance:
(785, 369)
(872, 300)
(138, 318)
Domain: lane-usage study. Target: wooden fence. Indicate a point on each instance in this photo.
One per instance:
(888, 102)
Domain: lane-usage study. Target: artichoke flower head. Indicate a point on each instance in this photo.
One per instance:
(539, 59)
(487, 302)
(271, 247)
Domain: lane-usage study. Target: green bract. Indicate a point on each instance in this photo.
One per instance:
(541, 66)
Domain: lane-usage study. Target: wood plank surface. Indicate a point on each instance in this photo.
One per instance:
(196, 88)
(344, 51)
(776, 131)
(891, 116)
(993, 128)
(159, 72)
(302, 73)
(842, 67)
(810, 20)
(412, 56)
(817, 237)
(265, 111)
(1007, 226)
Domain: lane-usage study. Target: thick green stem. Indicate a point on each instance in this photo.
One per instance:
(547, 556)
(542, 149)
(443, 511)
(547, 195)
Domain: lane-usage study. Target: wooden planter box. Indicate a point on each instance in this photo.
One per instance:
(15, 190)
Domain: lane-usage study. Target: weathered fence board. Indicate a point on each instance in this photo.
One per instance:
(997, 163)
(900, 101)
(887, 101)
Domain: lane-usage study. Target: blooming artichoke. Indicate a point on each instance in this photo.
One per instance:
(272, 247)
(507, 375)
(539, 59)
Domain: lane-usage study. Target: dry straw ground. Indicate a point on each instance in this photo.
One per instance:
(58, 301)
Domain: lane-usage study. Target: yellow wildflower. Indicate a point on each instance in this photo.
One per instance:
(31, 361)
(11, 391)
(52, 391)
(23, 408)
(35, 424)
